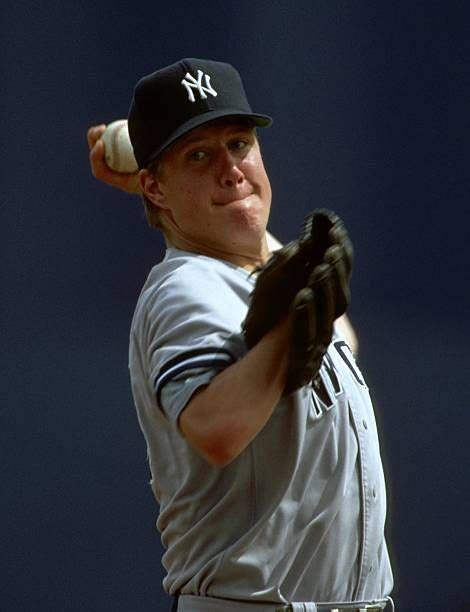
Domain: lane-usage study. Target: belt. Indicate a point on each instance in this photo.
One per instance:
(194, 603)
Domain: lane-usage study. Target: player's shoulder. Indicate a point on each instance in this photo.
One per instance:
(190, 277)
(182, 269)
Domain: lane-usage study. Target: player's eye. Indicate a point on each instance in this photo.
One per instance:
(197, 155)
(239, 144)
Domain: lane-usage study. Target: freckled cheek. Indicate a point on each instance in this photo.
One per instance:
(191, 205)
(250, 165)
(255, 172)
(195, 191)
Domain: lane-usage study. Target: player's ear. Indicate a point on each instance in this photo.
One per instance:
(150, 186)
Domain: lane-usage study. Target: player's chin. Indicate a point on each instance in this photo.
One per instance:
(251, 213)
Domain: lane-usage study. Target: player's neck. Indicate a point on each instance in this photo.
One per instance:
(248, 257)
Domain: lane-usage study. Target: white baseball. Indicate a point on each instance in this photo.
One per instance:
(118, 152)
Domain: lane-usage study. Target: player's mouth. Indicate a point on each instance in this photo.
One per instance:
(235, 199)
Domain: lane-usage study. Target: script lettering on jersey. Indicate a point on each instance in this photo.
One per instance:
(347, 356)
(191, 83)
(326, 386)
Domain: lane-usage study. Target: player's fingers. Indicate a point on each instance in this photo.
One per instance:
(94, 133)
(99, 168)
(101, 171)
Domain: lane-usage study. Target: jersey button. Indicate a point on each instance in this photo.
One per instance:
(374, 492)
(364, 423)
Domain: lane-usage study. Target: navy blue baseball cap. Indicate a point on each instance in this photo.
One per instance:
(174, 100)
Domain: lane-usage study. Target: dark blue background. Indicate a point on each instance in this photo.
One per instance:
(371, 107)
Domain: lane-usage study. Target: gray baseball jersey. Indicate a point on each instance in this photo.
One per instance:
(299, 515)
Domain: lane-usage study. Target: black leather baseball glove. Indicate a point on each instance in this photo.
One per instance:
(308, 280)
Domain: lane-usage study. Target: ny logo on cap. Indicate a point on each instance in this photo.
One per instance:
(190, 83)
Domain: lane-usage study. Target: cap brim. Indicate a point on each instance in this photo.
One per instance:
(258, 120)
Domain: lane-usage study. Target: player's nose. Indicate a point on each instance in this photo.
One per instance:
(230, 174)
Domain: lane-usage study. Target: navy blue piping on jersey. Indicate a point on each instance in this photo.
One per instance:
(189, 360)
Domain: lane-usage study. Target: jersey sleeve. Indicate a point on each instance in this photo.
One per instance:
(193, 332)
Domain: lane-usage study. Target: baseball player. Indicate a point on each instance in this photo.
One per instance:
(260, 432)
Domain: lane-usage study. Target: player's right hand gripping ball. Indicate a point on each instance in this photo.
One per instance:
(308, 280)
